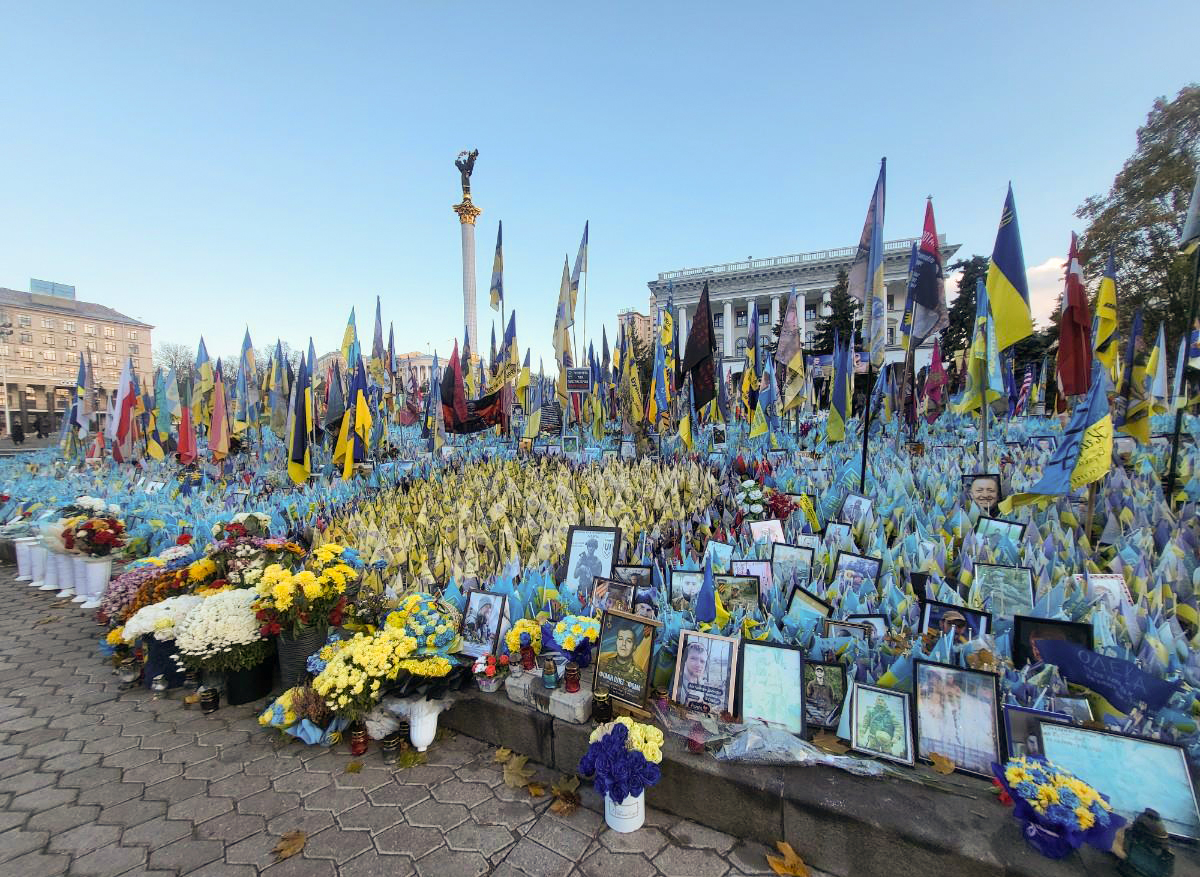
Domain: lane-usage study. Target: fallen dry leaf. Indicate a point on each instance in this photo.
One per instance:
(790, 865)
(502, 755)
(829, 743)
(46, 620)
(354, 767)
(941, 764)
(516, 774)
(536, 790)
(410, 758)
(290, 844)
(566, 798)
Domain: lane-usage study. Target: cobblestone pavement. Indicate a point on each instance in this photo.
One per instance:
(96, 781)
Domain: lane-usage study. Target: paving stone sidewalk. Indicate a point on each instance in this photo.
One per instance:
(99, 781)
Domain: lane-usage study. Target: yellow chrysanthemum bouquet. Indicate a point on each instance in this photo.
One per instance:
(359, 673)
(313, 597)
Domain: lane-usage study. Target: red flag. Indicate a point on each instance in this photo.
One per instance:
(186, 449)
(935, 383)
(1074, 331)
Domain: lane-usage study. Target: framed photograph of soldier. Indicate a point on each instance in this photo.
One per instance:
(770, 685)
(854, 508)
(570, 444)
(684, 588)
(1076, 707)
(1023, 729)
(791, 565)
(1107, 589)
(993, 530)
(966, 624)
(628, 449)
(483, 616)
(877, 623)
(1027, 631)
(1009, 588)
(719, 437)
(738, 592)
(800, 600)
(824, 693)
(957, 716)
(881, 724)
(611, 594)
(851, 570)
(761, 569)
(705, 670)
(623, 657)
(591, 552)
(983, 489)
(770, 530)
(836, 532)
(860, 632)
(632, 574)
(721, 554)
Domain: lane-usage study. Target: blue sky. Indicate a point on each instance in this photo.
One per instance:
(206, 166)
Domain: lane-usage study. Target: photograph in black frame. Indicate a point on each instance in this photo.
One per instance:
(808, 600)
(968, 623)
(877, 623)
(790, 565)
(1009, 587)
(1027, 629)
(853, 568)
(623, 665)
(825, 690)
(992, 530)
(983, 489)
(954, 709)
(881, 718)
(683, 587)
(591, 552)
(774, 696)
(633, 574)
(836, 530)
(854, 508)
(1023, 730)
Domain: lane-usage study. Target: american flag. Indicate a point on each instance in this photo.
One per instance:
(1026, 386)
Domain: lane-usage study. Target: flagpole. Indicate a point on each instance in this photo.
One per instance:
(983, 397)
(862, 477)
(1179, 409)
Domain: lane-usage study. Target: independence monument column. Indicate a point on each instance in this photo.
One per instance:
(467, 214)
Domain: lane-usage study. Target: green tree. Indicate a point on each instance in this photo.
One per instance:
(957, 335)
(1142, 215)
(772, 345)
(841, 317)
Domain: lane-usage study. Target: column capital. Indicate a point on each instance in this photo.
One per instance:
(467, 211)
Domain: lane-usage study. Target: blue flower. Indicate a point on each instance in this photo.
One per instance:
(1057, 814)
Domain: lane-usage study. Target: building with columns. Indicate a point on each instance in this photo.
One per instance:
(47, 331)
(768, 282)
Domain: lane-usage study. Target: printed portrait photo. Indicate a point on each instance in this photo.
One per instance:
(705, 668)
(957, 716)
(993, 531)
(1106, 590)
(860, 632)
(836, 533)
(610, 594)
(855, 507)
(966, 624)
(684, 588)
(1027, 631)
(760, 569)
(1023, 729)
(802, 600)
(623, 657)
(851, 570)
(824, 693)
(770, 530)
(738, 592)
(877, 623)
(481, 622)
(983, 489)
(590, 554)
(880, 725)
(1006, 590)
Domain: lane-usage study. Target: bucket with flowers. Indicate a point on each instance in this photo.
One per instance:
(622, 762)
(221, 635)
(96, 538)
(1058, 812)
(156, 626)
(490, 671)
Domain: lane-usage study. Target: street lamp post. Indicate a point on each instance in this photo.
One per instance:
(6, 330)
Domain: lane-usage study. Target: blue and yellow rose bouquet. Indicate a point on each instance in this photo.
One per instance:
(622, 760)
(1058, 811)
(573, 637)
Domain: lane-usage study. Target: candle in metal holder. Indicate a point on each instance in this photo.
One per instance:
(602, 710)
(389, 747)
(210, 700)
(550, 674)
(129, 671)
(571, 677)
(358, 740)
(159, 686)
(528, 659)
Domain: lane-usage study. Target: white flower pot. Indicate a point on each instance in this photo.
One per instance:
(37, 564)
(99, 571)
(66, 575)
(422, 722)
(79, 564)
(627, 816)
(24, 559)
(50, 578)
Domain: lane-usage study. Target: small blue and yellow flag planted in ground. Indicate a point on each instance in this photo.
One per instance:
(1007, 285)
(1083, 456)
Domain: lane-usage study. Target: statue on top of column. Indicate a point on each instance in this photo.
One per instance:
(465, 164)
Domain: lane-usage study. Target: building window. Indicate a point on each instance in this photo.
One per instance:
(718, 321)
(68, 325)
(25, 321)
(719, 346)
(891, 336)
(26, 353)
(70, 356)
(48, 340)
(764, 318)
(47, 323)
(110, 346)
(110, 360)
(89, 329)
(28, 369)
(71, 342)
(133, 348)
(741, 319)
(810, 314)
(891, 302)
(50, 355)
(132, 335)
(110, 332)
(740, 347)
(26, 337)
(808, 337)
(91, 345)
(762, 348)
(3, 350)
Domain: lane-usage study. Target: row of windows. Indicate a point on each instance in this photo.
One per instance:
(71, 343)
(25, 321)
(764, 317)
(106, 376)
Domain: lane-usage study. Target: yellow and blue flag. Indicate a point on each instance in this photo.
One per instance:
(658, 406)
(496, 288)
(1007, 285)
(1104, 324)
(1082, 457)
(984, 381)
(750, 372)
(1134, 402)
(350, 342)
(299, 454)
(866, 272)
(835, 427)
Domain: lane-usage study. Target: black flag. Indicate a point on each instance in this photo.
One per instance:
(698, 354)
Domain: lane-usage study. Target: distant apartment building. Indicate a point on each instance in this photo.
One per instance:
(636, 325)
(50, 330)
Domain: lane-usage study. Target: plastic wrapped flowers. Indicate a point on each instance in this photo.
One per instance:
(357, 675)
(573, 637)
(750, 498)
(512, 639)
(1058, 812)
(435, 633)
(221, 633)
(623, 758)
(302, 713)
